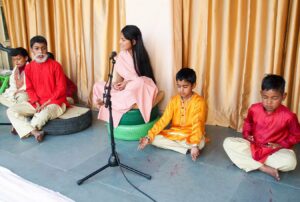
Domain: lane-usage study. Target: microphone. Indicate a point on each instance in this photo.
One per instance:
(112, 55)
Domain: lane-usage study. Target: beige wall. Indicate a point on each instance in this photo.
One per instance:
(154, 18)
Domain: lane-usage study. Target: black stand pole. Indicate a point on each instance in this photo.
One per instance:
(113, 160)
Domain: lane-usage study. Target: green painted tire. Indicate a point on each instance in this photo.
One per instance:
(134, 117)
(132, 132)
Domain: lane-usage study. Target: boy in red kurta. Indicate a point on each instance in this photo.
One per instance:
(46, 89)
(270, 131)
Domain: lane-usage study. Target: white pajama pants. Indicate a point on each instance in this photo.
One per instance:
(178, 146)
(18, 115)
(238, 150)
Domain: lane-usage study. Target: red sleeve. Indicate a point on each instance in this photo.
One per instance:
(294, 132)
(60, 87)
(71, 87)
(248, 123)
(33, 98)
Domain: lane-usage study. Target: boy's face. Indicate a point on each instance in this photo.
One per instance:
(19, 60)
(271, 99)
(185, 88)
(39, 51)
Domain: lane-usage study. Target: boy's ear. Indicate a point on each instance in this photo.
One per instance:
(260, 93)
(284, 96)
(194, 85)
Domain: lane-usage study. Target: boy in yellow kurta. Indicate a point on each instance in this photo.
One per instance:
(187, 113)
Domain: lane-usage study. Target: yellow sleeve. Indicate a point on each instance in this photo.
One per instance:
(198, 122)
(162, 122)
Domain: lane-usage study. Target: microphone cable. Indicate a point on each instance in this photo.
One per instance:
(129, 182)
(113, 54)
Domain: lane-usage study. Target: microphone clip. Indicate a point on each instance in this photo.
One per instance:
(113, 55)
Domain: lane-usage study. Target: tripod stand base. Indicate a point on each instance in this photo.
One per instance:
(112, 162)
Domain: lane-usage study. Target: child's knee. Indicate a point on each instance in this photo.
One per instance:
(161, 141)
(293, 163)
(290, 162)
(11, 112)
(156, 141)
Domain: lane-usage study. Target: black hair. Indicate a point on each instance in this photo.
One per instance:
(20, 51)
(37, 39)
(50, 55)
(186, 74)
(273, 82)
(141, 59)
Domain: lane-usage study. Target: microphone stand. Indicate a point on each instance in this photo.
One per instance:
(113, 160)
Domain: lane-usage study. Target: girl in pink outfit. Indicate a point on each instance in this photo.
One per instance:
(135, 82)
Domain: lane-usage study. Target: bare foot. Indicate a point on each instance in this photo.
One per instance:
(271, 171)
(38, 134)
(195, 152)
(13, 131)
(143, 143)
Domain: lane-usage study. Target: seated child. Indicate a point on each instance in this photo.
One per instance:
(187, 113)
(270, 130)
(16, 92)
(46, 89)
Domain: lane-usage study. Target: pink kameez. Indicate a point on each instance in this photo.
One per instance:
(139, 90)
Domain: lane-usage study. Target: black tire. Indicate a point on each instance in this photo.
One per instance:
(68, 126)
(134, 116)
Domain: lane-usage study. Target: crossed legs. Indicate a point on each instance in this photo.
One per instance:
(238, 150)
(18, 115)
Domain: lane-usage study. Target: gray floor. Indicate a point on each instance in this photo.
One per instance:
(59, 161)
